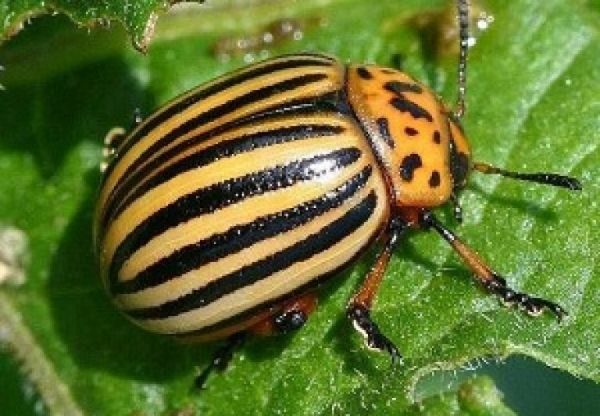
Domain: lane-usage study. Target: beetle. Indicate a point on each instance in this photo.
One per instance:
(221, 213)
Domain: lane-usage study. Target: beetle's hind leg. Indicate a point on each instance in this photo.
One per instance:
(491, 280)
(359, 307)
(289, 316)
(221, 358)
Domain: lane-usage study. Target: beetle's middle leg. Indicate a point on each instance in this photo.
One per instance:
(359, 307)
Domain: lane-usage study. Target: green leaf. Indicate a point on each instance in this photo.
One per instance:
(534, 83)
(475, 397)
(138, 17)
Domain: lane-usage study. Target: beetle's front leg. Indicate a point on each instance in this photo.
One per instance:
(491, 280)
(112, 140)
(359, 307)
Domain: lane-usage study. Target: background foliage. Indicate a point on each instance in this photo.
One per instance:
(533, 105)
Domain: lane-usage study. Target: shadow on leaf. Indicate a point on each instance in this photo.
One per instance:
(47, 120)
(95, 333)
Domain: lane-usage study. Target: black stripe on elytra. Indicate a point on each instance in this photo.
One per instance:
(303, 250)
(310, 55)
(277, 302)
(408, 166)
(220, 150)
(384, 131)
(269, 304)
(415, 110)
(306, 106)
(399, 87)
(240, 237)
(222, 194)
(228, 81)
(228, 107)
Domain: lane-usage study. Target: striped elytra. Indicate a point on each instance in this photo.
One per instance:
(221, 213)
(251, 189)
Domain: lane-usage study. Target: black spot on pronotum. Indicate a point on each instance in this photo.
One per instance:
(437, 138)
(399, 87)
(364, 73)
(410, 131)
(408, 166)
(388, 71)
(434, 179)
(415, 110)
(384, 130)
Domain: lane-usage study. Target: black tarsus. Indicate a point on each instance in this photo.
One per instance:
(543, 178)
(532, 305)
(358, 312)
(221, 358)
(290, 321)
(492, 281)
(360, 317)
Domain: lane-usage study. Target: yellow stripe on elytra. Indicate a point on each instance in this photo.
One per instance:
(188, 94)
(213, 271)
(321, 119)
(331, 82)
(240, 213)
(216, 172)
(278, 284)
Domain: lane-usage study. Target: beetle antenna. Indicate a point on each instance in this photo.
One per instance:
(463, 32)
(543, 178)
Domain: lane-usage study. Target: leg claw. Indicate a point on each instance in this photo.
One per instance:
(374, 339)
(533, 306)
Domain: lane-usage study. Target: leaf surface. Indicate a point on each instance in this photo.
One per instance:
(533, 105)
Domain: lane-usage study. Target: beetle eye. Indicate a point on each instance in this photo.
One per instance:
(459, 166)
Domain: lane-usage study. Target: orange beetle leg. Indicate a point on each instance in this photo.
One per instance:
(491, 280)
(359, 307)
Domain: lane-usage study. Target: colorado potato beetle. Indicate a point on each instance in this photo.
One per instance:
(220, 213)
